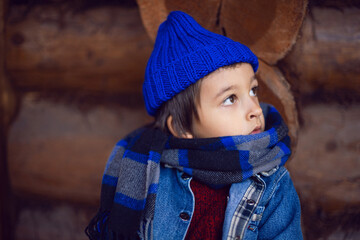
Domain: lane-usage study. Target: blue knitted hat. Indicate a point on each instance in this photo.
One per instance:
(185, 52)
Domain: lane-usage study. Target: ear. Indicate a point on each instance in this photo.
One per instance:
(169, 123)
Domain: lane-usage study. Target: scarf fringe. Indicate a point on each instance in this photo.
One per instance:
(98, 229)
(97, 226)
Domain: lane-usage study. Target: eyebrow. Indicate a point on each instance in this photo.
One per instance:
(224, 90)
(231, 87)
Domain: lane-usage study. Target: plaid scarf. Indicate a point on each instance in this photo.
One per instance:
(131, 177)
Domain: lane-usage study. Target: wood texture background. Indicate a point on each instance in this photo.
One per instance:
(70, 87)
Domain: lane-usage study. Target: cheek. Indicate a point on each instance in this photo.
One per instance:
(208, 126)
(220, 124)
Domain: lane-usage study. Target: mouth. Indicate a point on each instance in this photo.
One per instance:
(256, 130)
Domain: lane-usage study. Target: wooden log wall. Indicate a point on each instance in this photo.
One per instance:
(325, 170)
(78, 77)
(91, 58)
(326, 58)
(104, 50)
(323, 69)
(59, 151)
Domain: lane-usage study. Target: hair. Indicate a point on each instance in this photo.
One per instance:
(182, 108)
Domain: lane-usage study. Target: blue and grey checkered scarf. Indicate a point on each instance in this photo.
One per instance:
(131, 177)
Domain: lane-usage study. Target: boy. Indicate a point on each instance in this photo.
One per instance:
(211, 166)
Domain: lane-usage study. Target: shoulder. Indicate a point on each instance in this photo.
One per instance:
(273, 177)
(281, 205)
(276, 184)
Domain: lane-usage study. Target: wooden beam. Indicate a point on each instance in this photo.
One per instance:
(101, 50)
(57, 151)
(154, 12)
(326, 57)
(274, 89)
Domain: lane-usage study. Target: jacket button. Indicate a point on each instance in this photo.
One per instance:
(184, 216)
(250, 202)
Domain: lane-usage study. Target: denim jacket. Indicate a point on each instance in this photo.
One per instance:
(266, 206)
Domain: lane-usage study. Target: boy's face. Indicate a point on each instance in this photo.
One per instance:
(228, 104)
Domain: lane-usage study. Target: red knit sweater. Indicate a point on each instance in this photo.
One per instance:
(209, 214)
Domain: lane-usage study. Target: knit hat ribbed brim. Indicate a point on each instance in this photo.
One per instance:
(185, 52)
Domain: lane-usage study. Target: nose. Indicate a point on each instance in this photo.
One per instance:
(254, 111)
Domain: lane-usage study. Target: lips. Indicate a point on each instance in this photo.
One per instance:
(256, 130)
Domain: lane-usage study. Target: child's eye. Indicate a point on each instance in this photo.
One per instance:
(230, 100)
(254, 91)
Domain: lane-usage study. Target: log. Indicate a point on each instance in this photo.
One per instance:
(269, 28)
(101, 50)
(326, 59)
(154, 12)
(274, 89)
(58, 151)
(325, 169)
(40, 219)
(323, 57)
